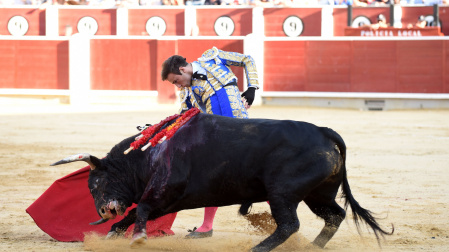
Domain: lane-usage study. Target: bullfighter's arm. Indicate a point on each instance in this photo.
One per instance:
(242, 60)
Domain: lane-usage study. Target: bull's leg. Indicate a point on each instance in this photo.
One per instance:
(332, 214)
(119, 228)
(284, 213)
(140, 232)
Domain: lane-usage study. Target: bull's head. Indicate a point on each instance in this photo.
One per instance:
(102, 185)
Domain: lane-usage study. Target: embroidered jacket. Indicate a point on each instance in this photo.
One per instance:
(216, 63)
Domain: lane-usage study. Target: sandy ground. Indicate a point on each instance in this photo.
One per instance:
(397, 167)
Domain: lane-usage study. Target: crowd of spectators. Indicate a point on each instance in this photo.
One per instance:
(264, 3)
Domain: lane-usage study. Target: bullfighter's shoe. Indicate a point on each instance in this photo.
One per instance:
(196, 235)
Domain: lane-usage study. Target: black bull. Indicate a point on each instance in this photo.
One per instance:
(219, 161)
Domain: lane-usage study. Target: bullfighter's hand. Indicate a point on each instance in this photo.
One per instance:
(245, 104)
(249, 95)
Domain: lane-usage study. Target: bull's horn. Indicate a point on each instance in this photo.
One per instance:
(100, 221)
(78, 157)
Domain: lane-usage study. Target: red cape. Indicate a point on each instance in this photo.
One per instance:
(66, 208)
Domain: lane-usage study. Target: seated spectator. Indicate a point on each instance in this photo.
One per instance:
(362, 3)
(343, 2)
(194, 2)
(432, 2)
(150, 2)
(381, 2)
(212, 2)
(264, 3)
(173, 2)
(381, 22)
(421, 23)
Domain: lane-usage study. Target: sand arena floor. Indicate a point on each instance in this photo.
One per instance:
(397, 167)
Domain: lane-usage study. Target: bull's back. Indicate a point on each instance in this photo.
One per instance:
(231, 144)
(233, 157)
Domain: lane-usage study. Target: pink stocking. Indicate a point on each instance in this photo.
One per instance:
(209, 215)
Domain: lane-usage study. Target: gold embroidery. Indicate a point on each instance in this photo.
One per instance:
(238, 109)
(230, 58)
(218, 75)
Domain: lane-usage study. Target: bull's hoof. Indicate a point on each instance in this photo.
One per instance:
(197, 235)
(111, 235)
(138, 239)
(313, 245)
(114, 235)
(259, 249)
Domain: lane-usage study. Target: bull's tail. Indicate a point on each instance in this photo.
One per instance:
(358, 213)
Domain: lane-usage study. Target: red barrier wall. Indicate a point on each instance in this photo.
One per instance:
(402, 66)
(133, 69)
(242, 17)
(275, 17)
(340, 21)
(206, 17)
(166, 91)
(35, 18)
(419, 66)
(40, 64)
(393, 66)
(341, 16)
(174, 19)
(444, 17)
(106, 19)
(282, 73)
(410, 14)
(446, 67)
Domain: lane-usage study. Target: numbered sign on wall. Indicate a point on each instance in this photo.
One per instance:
(293, 26)
(18, 26)
(360, 21)
(156, 26)
(224, 26)
(87, 25)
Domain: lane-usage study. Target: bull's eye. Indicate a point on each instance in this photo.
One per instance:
(96, 183)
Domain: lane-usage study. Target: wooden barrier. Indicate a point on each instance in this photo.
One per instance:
(92, 21)
(31, 21)
(292, 22)
(393, 66)
(202, 20)
(34, 64)
(226, 21)
(140, 20)
(128, 57)
(343, 65)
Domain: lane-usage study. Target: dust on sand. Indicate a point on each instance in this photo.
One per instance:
(397, 167)
(259, 226)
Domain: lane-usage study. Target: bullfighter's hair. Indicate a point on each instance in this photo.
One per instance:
(172, 65)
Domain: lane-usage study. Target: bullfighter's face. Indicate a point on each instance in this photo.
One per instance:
(181, 80)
